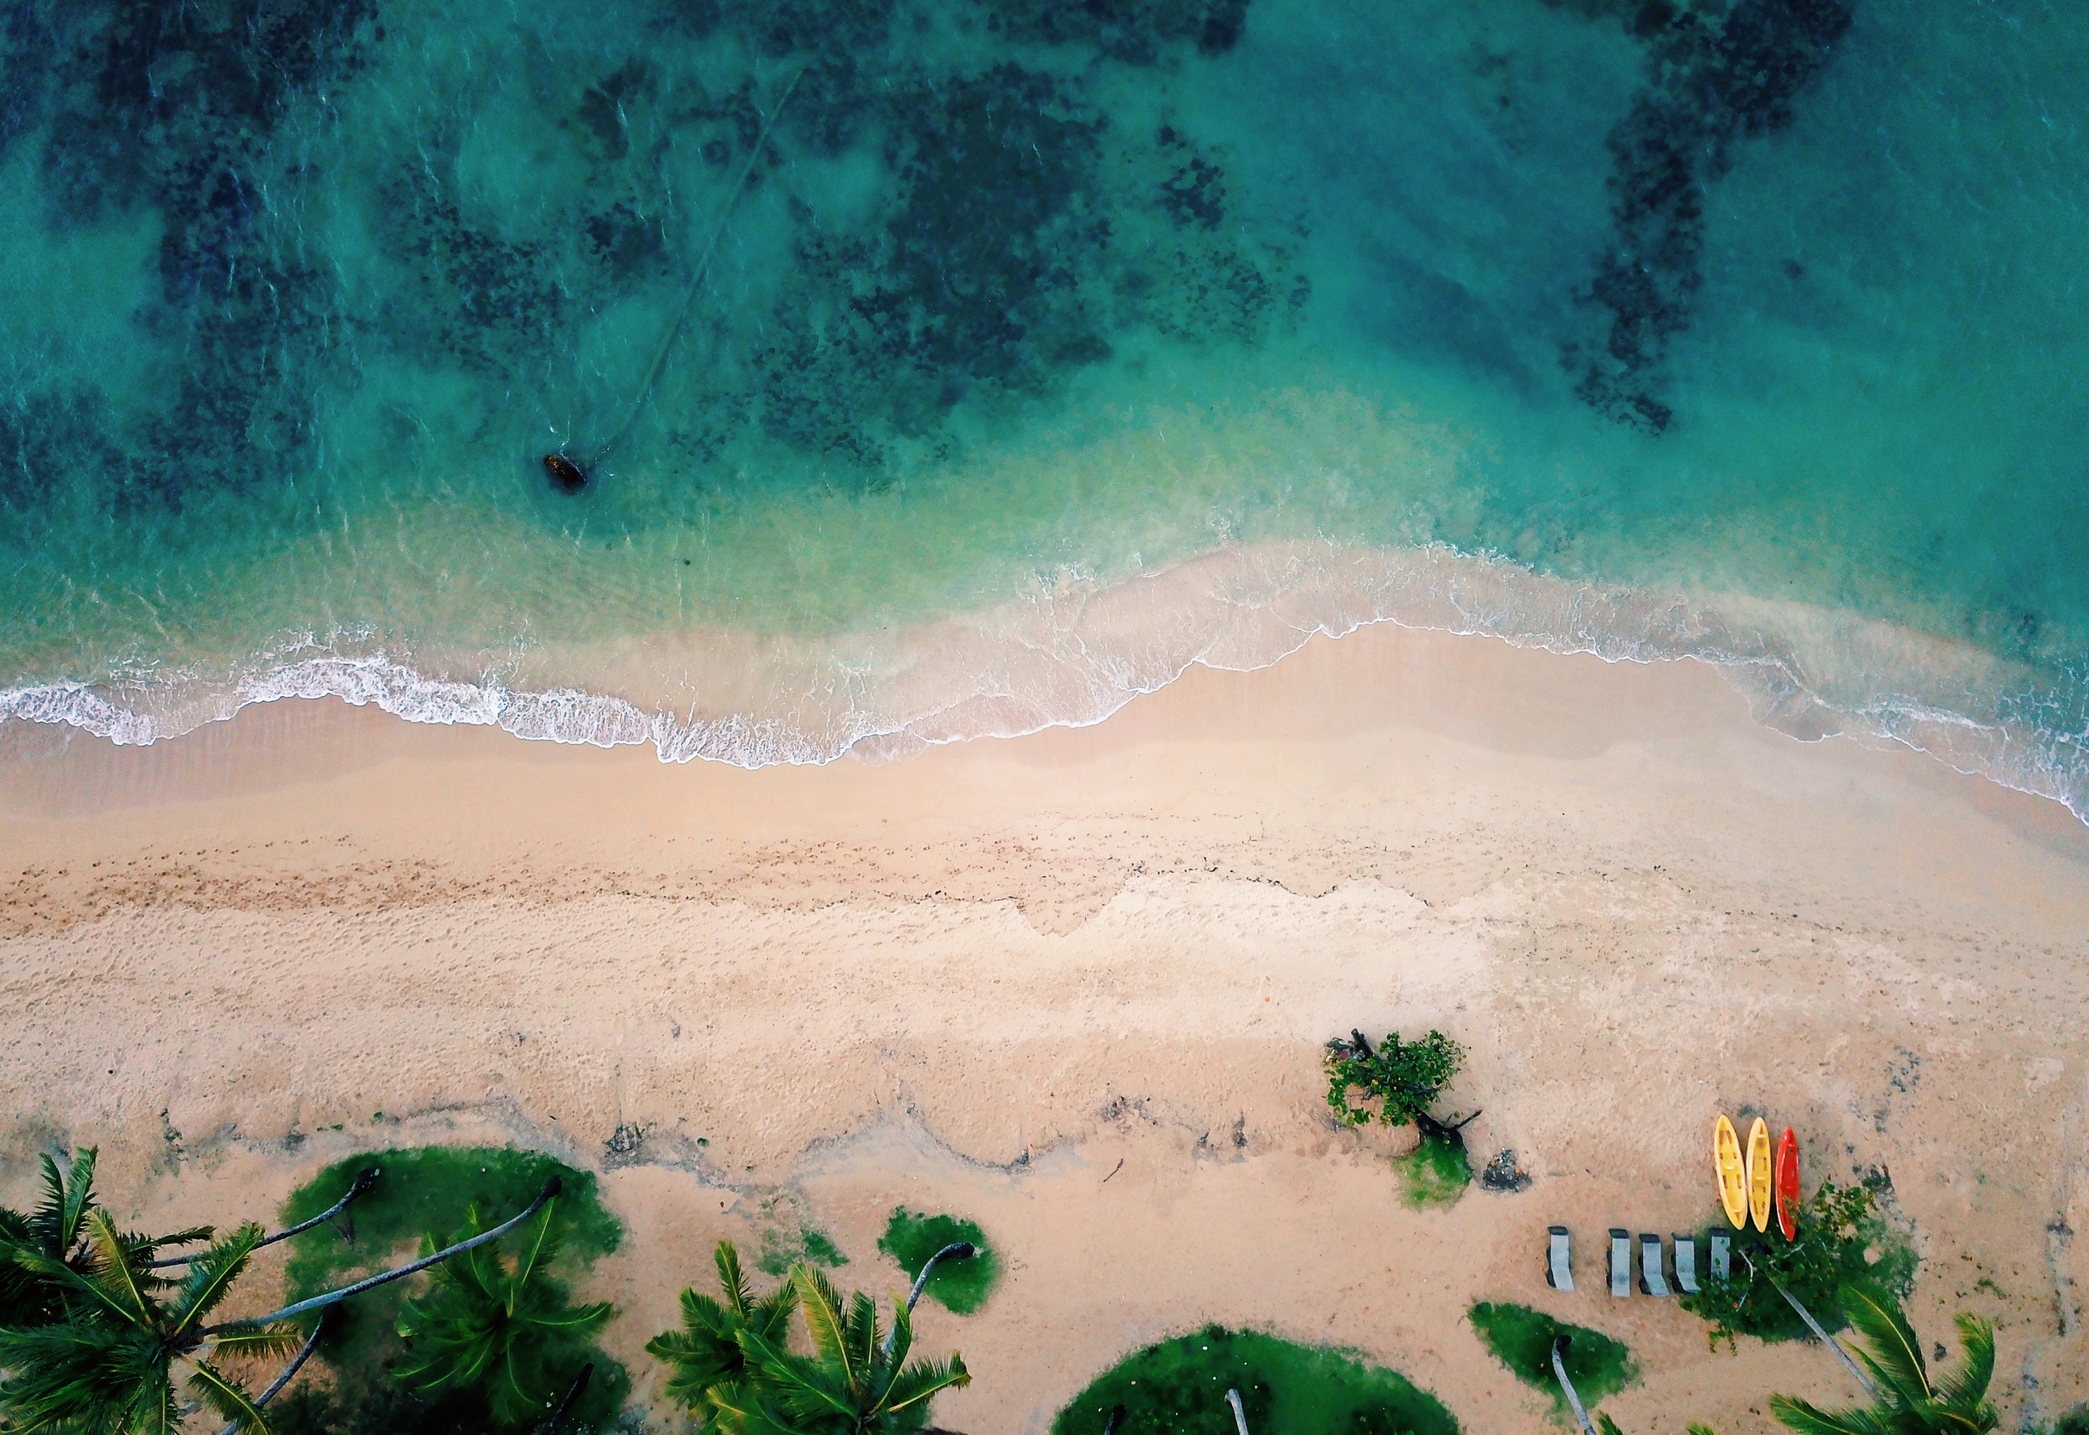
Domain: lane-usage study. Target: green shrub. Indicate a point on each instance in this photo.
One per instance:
(1179, 1386)
(1838, 1226)
(959, 1286)
(1403, 1079)
(1521, 1339)
(2074, 1422)
(1435, 1173)
(422, 1190)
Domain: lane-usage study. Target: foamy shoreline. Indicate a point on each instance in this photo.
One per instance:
(1073, 654)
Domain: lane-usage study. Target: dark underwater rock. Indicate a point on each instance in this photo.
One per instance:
(566, 475)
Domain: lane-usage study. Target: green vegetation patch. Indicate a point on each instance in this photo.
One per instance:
(1404, 1078)
(1435, 1173)
(782, 1249)
(1521, 1338)
(959, 1286)
(1179, 1386)
(422, 1191)
(2074, 1422)
(1843, 1236)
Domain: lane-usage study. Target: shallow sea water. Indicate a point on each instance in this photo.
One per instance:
(954, 366)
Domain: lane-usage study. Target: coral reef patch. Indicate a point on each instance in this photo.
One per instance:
(1715, 83)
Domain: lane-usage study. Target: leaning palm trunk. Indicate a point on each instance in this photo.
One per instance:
(1856, 1373)
(1910, 1400)
(363, 1181)
(1240, 1416)
(573, 1392)
(297, 1363)
(957, 1251)
(552, 1187)
(1559, 1372)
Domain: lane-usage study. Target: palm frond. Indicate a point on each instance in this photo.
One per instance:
(703, 1352)
(1796, 1414)
(701, 1315)
(1698, 1428)
(902, 1342)
(148, 1245)
(153, 1410)
(823, 1318)
(1606, 1425)
(225, 1399)
(1893, 1353)
(211, 1275)
(806, 1387)
(923, 1379)
(114, 1273)
(733, 1407)
(537, 1250)
(50, 1214)
(739, 1296)
(75, 1375)
(514, 1398)
(61, 1273)
(67, 1199)
(1966, 1387)
(861, 1330)
(257, 1341)
(574, 1319)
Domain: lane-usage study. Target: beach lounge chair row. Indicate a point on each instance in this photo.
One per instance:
(1655, 1271)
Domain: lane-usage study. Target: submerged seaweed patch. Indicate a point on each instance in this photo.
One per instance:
(1715, 85)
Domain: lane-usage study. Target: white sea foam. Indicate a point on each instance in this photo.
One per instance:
(1075, 651)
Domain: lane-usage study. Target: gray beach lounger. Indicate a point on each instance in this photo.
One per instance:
(1722, 1255)
(1559, 1259)
(1650, 1279)
(1686, 1264)
(1620, 1262)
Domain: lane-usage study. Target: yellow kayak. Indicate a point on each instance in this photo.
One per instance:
(1726, 1165)
(1759, 1174)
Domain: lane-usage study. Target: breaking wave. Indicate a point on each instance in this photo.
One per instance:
(1075, 650)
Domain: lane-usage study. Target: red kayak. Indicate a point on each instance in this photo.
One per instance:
(1787, 1185)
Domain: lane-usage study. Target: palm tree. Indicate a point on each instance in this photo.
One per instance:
(111, 1367)
(1909, 1402)
(485, 1322)
(853, 1383)
(106, 1364)
(55, 1231)
(706, 1352)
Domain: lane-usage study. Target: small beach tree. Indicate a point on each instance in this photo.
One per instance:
(1403, 1078)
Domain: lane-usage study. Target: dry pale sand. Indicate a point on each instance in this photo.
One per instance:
(1075, 986)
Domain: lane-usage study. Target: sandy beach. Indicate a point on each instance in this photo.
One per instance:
(1075, 986)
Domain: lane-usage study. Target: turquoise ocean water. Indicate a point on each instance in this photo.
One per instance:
(940, 367)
